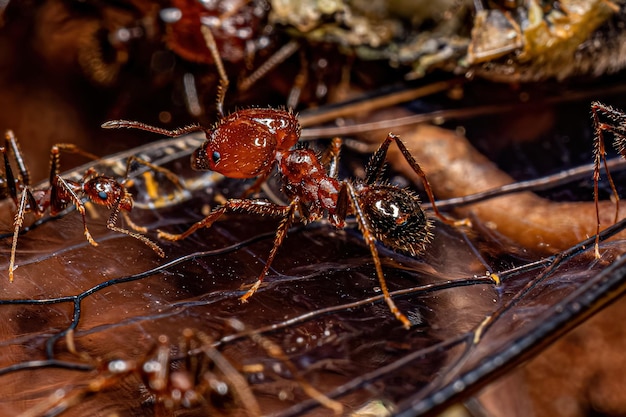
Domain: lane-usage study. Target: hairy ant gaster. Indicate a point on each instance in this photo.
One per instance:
(249, 143)
(62, 193)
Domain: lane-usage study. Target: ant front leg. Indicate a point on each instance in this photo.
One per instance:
(374, 171)
(59, 191)
(257, 207)
(619, 131)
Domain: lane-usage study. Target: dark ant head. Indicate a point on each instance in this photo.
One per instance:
(106, 191)
(396, 218)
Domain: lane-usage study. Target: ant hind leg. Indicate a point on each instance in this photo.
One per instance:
(374, 171)
(371, 243)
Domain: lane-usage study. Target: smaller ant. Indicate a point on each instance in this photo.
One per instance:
(250, 143)
(193, 375)
(62, 193)
(618, 129)
(199, 376)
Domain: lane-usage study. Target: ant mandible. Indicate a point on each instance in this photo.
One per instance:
(62, 192)
(619, 132)
(249, 143)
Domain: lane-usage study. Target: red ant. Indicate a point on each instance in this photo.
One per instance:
(62, 192)
(249, 143)
(619, 132)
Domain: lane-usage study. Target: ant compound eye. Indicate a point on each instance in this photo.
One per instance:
(215, 156)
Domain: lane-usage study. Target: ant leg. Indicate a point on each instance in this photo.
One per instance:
(111, 226)
(370, 240)
(116, 208)
(209, 39)
(600, 155)
(65, 187)
(55, 157)
(8, 183)
(375, 167)
(12, 143)
(272, 62)
(258, 207)
(330, 157)
(288, 215)
(241, 388)
(17, 224)
(129, 124)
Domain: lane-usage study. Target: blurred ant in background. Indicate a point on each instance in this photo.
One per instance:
(61, 193)
(171, 382)
(250, 143)
(193, 375)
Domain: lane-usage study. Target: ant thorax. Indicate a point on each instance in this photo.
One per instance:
(305, 178)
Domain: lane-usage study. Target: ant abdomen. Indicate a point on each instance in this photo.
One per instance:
(395, 217)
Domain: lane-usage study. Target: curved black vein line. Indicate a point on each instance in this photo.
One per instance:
(468, 338)
(77, 299)
(46, 363)
(423, 404)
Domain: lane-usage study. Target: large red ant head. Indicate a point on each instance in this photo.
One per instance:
(239, 151)
(245, 144)
(106, 191)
